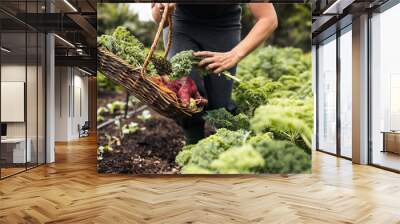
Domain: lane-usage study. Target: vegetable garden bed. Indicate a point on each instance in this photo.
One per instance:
(150, 150)
(269, 133)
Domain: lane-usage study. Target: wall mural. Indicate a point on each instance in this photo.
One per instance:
(215, 104)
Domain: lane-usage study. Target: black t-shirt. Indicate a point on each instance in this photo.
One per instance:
(221, 16)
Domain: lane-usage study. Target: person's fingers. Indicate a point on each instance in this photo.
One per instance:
(219, 70)
(206, 61)
(224, 66)
(213, 66)
(203, 54)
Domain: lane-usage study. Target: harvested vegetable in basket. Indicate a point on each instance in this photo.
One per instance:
(127, 47)
(183, 62)
(184, 88)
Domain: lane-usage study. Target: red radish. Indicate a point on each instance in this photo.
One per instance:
(192, 85)
(174, 86)
(184, 95)
(185, 88)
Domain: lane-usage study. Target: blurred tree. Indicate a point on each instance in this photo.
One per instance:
(294, 29)
(294, 24)
(110, 16)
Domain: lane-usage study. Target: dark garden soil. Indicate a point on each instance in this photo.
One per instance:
(105, 97)
(150, 150)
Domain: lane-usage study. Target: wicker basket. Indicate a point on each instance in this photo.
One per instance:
(137, 83)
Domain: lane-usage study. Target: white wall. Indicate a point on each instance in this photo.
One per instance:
(80, 111)
(62, 81)
(33, 126)
(12, 73)
(71, 102)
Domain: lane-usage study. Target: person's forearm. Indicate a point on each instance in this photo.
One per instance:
(257, 35)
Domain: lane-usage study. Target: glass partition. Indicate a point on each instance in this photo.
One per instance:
(346, 92)
(327, 95)
(22, 101)
(385, 89)
(13, 94)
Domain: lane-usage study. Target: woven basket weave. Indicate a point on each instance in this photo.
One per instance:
(137, 83)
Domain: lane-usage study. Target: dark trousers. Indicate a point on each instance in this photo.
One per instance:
(217, 89)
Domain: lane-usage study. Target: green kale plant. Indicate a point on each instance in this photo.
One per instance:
(252, 93)
(128, 47)
(282, 157)
(208, 149)
(238, 160)
(274, 62)
(221, 118)
(183, 62)
(286, 122)
(183, 158)
(268, 136)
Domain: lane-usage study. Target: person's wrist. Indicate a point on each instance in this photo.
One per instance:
(237, 54)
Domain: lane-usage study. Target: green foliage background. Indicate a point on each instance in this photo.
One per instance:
(293, 30)
(294, 27)
(112, 15)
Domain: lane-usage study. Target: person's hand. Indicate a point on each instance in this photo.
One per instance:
(218, 62)
(162, 6)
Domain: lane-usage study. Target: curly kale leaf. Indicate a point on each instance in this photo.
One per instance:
(238, 160)
(250, 94)
(182, 63)
(208, 149)
(183, 158)
(283, 157)
(290, 120)
(274, 62)
(162, 65)
(221, 118)
(195, 169)
(126, 46)
(260, 138)
(297, 86)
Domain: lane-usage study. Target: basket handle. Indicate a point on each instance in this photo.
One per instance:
(165, 17)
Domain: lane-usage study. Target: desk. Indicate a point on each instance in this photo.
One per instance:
(15, 148)
(391, 141)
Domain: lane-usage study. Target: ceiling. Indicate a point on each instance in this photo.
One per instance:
(74, 22)
(330, 15)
